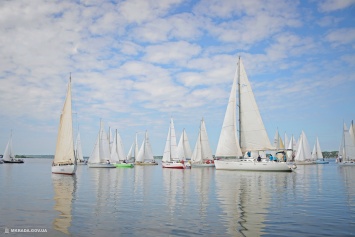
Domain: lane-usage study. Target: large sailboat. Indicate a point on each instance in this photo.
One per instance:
(101, 157)
(202, 154)
(346, 156)
(64, 159)
(252, 133)
(170, 156)
(145, 153)
(9, 156)
(117, 153)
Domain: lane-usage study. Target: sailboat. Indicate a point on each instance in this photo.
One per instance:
(252, 133)
(202, 154)
(79, 152)
(100, 157)
(317, 154)
(145, 153)
(170, 155)
(133, 151)
(346, 156)
(9, 156)
(303, 153)
(117, 153)
(64, 159)
(184, 149)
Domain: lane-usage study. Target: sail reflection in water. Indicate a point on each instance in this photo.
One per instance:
(64, 195)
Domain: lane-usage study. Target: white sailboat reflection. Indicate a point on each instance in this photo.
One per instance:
(64, 195)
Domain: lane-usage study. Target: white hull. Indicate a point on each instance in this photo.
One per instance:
(202, 165)
(173, 165)
(64, 169)
(101, 165)
(252, 166)
(346, 163)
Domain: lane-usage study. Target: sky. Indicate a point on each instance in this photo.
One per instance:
(137, 63)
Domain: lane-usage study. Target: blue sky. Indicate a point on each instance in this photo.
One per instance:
(136, 63)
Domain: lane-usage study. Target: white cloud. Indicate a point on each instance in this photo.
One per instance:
(334, 5)
(340, 37)
(173, 52)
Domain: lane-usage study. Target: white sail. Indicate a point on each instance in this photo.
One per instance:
(170, 151)
(64, 153)
(9, 154)
(278, 143)
(253, 133)
(287, 141)
(317, 152)
(78, 149)
(291, 148)
(303, 150)
(136, 146)
(202, 149)
(114, 154)
(184, 149)
(104, 145)
(145, 152)
(347, 148)
(95, 155)
(352, 132)
(120, 147)
(228, 144)
(130, 152)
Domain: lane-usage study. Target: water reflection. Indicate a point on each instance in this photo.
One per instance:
(348, 175)
(245, 199)
(64, 195)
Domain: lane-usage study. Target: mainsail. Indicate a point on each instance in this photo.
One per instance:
(64, 152)
(253, 136)
(145, 152)
(170, 151)
(184, 149)
(202, 149)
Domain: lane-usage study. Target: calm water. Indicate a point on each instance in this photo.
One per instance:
(316, 200)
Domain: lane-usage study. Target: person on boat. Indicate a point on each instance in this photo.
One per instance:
(249, 154)
(271, 158)
(259, 158)
(340, 158)
(107, 162)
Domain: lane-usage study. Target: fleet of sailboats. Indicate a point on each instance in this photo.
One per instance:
(243, 137)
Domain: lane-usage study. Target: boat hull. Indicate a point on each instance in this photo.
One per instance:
(305, 163)
(101, 166)
(173, 165)
(252, 166)
(124, 165)
(145, 163)
(64, 169)
(321, 162)
(346, 163)
(202, 165)
(14, 161)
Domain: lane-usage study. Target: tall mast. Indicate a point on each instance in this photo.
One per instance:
(240, 134)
